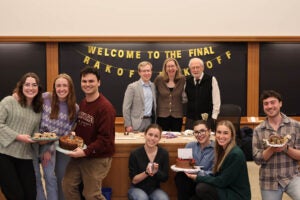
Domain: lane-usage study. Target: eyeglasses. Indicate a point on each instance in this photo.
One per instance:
(200, 132)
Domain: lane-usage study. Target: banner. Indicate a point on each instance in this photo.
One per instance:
(117, 64)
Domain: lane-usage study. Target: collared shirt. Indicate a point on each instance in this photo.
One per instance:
(280, 168)
(203, 157)
(148, 96)
(216, 97)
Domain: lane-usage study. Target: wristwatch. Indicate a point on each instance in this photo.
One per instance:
(286, 149)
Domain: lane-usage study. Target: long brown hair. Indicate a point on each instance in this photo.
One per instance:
(37, 101)
(220, 152)
(164, 73)
(71, 99)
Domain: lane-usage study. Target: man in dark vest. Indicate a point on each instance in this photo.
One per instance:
(203, 95)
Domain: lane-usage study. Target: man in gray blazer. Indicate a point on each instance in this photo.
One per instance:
(139, 104)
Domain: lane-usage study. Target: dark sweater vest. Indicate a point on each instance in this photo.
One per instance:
(199, 97)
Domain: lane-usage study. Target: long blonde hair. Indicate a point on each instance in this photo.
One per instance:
(220, 152)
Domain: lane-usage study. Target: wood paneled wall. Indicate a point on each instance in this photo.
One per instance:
(52, 45)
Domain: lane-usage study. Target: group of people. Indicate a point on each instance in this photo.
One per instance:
(163, 100)
(224, 174)
(148, 107)
(28, 111)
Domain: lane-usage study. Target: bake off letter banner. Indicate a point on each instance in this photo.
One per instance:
(101, 57)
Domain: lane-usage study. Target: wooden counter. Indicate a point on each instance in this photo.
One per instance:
(118, 176)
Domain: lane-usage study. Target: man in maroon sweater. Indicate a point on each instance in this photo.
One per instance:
(96, 125)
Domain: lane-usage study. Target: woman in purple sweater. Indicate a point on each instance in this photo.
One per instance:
(59, 115)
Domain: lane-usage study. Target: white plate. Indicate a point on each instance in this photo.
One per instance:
(192, 171)
(64, 150)
(274, 145)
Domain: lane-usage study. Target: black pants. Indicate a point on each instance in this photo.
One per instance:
(170, 123)
(17, 178)
(185, 186)
(205, 191)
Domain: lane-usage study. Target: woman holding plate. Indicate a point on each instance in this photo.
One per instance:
(229, 180)
(59, 115)
(19, 120)
(148, 167)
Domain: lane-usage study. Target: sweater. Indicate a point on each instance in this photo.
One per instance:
(232, 181)
(199, 97)
(96, 125)
(138, 161)
(15, 120)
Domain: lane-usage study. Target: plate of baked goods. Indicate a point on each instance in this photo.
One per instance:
(193, 170)
(68, 143)
(46, 136)
(277, 140)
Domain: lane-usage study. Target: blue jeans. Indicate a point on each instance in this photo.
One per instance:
(292, 189)
(61, 163)
(49, 177)
(139, 194)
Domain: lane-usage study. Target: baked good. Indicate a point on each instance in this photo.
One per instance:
(276, 139)
(70, 142)
(185, 163)
(45, 135)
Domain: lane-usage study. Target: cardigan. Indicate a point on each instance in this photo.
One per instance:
(138, 161)
(169, 103)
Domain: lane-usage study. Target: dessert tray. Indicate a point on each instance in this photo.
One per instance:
(65, 151)
(192, 171)
(45, 139)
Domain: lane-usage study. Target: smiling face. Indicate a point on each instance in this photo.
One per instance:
(145, 73)
(171, 68)
(152, 137)
(223, 135)
(196, 68)
(89, 84)
(30, 88)
(272, 107)
(62, 88)
(202, 134)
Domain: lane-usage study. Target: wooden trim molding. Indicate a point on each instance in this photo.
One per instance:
(149, 38)
(253, 79)
(52, 63)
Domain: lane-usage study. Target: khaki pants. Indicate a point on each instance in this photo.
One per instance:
(89, 171)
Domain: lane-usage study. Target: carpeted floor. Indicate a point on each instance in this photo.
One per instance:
(254, 182)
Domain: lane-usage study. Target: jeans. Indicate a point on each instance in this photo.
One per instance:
(139, 194)
(292, 189)
(49, 177)
(61, 163)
